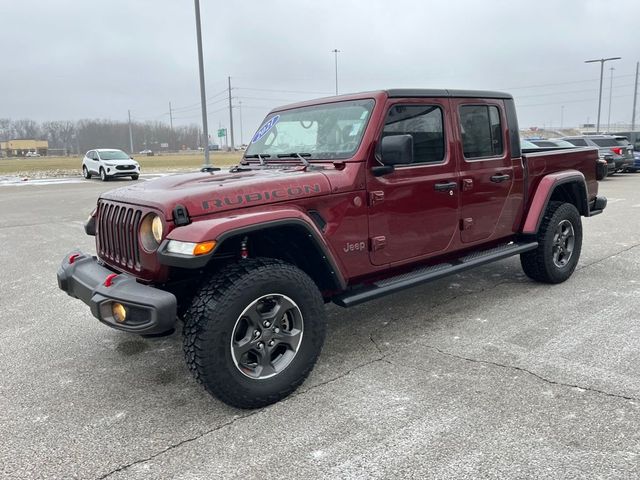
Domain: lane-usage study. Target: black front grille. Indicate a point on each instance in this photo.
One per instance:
(117, 234)
(125, 167)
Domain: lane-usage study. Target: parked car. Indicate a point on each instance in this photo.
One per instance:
(606, 144)
(627, 150)
(109, 163)
(396, 188)
(32, 154)
(147, 152)
(552, 143)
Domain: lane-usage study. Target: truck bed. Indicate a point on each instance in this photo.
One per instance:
(539, 163)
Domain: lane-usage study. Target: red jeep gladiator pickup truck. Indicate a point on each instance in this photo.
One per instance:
(342, 199)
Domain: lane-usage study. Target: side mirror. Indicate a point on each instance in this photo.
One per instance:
(397, 150)
(131, 158)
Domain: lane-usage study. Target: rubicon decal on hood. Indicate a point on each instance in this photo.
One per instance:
(243, 199)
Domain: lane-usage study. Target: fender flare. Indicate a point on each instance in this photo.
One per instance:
(547, 185)
(223, 228)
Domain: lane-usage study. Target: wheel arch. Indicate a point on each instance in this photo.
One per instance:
(569, 187)
(290, 236)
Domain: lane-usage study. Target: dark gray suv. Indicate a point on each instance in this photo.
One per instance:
(606, 144)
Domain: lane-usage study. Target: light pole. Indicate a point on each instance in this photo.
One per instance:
(601, 60)
(203, 96)
(610, 95)
(561, 116)
(335, 53)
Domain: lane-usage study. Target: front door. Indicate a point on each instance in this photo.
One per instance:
(486, 171)
(413, 211)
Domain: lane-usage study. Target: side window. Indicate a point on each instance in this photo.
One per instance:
(481, 131)
(578, 142)
(96, 157)
(90, 155)
(424, 123)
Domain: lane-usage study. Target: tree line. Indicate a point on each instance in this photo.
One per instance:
(77, 137)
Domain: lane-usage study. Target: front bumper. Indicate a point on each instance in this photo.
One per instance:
(150, 311)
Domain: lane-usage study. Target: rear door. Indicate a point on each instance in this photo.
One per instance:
(486, 170)
(413, 211)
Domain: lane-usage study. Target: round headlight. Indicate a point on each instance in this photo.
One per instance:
(156, 228)
(151, 232)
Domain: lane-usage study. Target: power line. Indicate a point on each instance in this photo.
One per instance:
(568, 101)
(283, 91)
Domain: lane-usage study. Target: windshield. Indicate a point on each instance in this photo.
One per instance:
(113, 155)
(328, 131)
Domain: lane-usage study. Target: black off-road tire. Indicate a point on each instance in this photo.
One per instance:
(539, 264)
(210, 321)
(86, 173)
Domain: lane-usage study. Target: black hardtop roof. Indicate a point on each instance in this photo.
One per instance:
(437, 92)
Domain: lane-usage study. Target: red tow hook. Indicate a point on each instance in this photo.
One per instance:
(109, 280)
(72, 258)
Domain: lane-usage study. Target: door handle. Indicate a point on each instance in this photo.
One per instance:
(444, 187)
(500, 178)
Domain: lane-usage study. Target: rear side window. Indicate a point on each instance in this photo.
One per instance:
(623, 142)
(481, 131)
(605, 142)
(424, 123)
(578, 142)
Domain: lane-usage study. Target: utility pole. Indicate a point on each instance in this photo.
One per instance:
(230, 115)
(635, 97)
(561, 116)
(203, 96)
(610, 96)
(335, 53)
(170, 127)
(601, 60)
(240, 110)
(130, 134)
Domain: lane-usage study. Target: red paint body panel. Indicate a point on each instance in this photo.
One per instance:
(375, 225)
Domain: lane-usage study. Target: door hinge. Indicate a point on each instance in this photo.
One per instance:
(378, 243)
(376, 197)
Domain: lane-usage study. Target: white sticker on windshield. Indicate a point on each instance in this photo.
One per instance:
(264, 129)
(355, 129)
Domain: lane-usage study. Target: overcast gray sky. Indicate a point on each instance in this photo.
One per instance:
(73, 59)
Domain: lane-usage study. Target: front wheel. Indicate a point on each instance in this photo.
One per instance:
(254, 332)
(134, 177)
(559, 245)
(103, 175)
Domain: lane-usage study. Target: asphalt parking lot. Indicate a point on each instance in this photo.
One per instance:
(482, 375)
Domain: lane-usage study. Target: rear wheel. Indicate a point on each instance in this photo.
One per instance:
(254, 332)
(85, 172)
(559, 245)
(103, 175)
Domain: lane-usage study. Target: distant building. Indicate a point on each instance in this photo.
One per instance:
(20, 148)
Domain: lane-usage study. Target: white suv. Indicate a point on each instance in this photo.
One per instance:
(109, 163)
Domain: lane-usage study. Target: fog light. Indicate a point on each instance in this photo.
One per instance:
(119, 312)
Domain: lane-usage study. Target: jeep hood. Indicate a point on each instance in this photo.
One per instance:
(207, 193)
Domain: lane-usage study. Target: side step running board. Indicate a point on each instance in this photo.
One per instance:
(428, 274)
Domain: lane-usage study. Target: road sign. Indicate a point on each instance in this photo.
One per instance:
(222, 132)
(164, 145)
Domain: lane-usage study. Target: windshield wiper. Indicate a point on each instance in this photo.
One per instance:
(260, 157)
(301, 156)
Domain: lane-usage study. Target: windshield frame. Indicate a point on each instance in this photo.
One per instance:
(340, 156)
